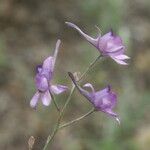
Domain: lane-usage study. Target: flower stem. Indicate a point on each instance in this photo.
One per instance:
(68, 99)
(78, 119)
(89, 67)
(73, 87)
(55, 103)
(50, 137)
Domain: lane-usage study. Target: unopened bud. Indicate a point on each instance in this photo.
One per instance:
(76, 75)
(31, 142)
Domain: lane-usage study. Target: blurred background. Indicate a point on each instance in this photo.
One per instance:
(28, 33)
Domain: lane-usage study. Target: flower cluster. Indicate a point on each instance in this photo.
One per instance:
(102, 100)
(43, 81)
(108, 45)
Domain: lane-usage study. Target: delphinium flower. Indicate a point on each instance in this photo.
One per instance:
(108, 45)
(43, 81)
(103, 100)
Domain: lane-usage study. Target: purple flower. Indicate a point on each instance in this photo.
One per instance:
(103, 100)
(108, 44)
(43, 81)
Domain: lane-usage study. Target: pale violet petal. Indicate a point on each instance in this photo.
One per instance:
(46, 98)
(120, 61)
(103, 40)
(89, 85)
(106, 37)
(121, 57)
(103, 92)
(34, 100)
(113, 114)
(56, 50)
(110, 112)
(87, 37)
(114, 49)
(57, 89)
(48, 64)
(41, 82)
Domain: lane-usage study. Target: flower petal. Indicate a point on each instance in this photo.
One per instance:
(56, 50)
(104, 40)
(89, 85)
(87, 37)
(113, 99)
(106, 37)
(119, 61)
(46, 98)
(122, 57)
(41, 82)
(110, 112)
(115, 49)
(57, 89)
(105, 99)
(48, 64)
(34, 100)
(103, 92)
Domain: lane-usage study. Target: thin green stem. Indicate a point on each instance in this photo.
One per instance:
(89, 67)
(55, 103)
(83, 74)
(50, 137)
(68, 99)
(78, 119)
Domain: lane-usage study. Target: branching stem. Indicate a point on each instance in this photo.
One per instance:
(78, 119)
(57, 127)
